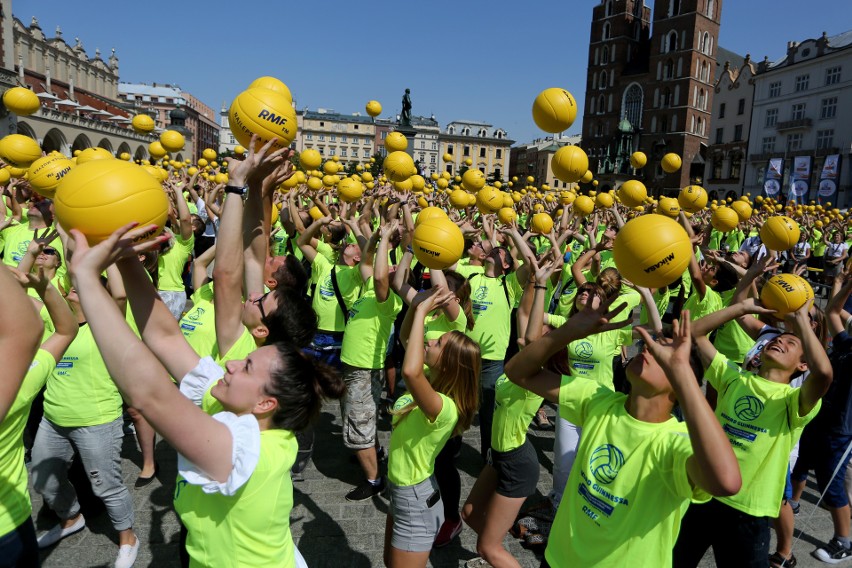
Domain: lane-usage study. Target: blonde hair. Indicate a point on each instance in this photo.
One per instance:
(456, 375)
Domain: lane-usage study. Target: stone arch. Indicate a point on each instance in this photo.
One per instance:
(80, 143)
(179, 158)
(141, 153)
(26, 130)
(55, 140)
(124, 147)
(106, 145)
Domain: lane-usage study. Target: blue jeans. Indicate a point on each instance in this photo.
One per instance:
(18, 548)
(99, 448)
(491, 371)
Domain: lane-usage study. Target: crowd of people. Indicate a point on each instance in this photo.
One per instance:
(679, 410)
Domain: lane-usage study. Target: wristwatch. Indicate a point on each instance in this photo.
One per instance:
(237, 190)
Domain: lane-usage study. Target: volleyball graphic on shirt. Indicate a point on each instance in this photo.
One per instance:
(583, 350)
(605, 463)
(748, 408)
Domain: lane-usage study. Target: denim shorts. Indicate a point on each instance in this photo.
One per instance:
(821, 452)
(417, 513)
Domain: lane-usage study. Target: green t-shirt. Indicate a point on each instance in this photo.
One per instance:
(198, 325)
(567, 291)
(241, 348)
(818, 246)
(591, 357)
(438, 325)
(324, 249)
(734, 239)
(416, 442)
(699, 308)
(365, 339)
(466, 269)
(252, 527)
(329, 315)
(628, 489)
(492, 312)
(716, 239)
(762, 421)
(80, 391)
(15, 506)
(661, 300)
(170, 265)
(731, 339)
(513, 411)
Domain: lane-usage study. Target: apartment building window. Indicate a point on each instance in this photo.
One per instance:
(832, 75)
(738, 132)
(802, 82)
(449, 148)
(309, 136)
(356, 127)
(333, 138)
(794, 142)
(736, 166)
(432, 159)
(825, 139)
(498, 154)
(720, 132)
(828, 108)
(322, 137)
(741, 106)
(333, 151)
(434, 145)
(771, 117)
(366, 153)
(343, 138)
(717, 168)
(466, 151)
(774, 89)
(798, 111)
(722, 110)
(768, 145)
(322, 150)
(343, 152)
(482, 152)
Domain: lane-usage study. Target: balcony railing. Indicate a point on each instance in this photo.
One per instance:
(798, 124)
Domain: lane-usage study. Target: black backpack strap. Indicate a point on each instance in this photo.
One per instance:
(339, 296)
(506, 291)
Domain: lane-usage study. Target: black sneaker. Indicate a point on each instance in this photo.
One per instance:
(367, 491)
(796, 508)
(833, 553)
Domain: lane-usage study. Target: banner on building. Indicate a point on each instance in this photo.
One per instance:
(800, 180)
(828, 179)
(772, 178)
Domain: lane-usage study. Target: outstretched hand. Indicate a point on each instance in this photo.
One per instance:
(590, 320)
(122, 244)
(671, 354)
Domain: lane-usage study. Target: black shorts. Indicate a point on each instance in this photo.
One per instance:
(517, 471)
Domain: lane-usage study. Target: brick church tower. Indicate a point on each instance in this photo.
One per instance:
(650, 89)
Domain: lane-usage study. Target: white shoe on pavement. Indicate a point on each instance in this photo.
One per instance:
(127, 554)
(57, 533)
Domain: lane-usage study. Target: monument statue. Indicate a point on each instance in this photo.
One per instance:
(405, 117)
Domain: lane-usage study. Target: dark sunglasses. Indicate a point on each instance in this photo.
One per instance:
(259, 303)
(50, 252)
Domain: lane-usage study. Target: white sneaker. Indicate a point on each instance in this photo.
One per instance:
(127, 554)
(57, 533)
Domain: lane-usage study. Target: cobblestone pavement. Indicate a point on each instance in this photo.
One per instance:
(329, 531)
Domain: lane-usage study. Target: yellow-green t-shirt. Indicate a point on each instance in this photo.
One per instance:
(241, 348)
(762, 422)
(15, 506)
(466, 269)
(324, 249)
(567, 291)
(80, 391)
(591, 357)
(416, 442)
(198, 325)
(628, 489)
(492, 311)
(661, 301)
(170, 265)
(365, 339)
(17, 238)
(440, 324)
(514, 409)
(252, 527)
(698, 308)
(329, 315)
(731, 339)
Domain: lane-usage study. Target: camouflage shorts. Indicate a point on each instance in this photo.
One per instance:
(358, 407)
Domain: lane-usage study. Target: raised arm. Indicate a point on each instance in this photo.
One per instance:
(821, 374)
(840, 294)
(305, 240)
(184, 219)
(64, 322)
(418, 385)
(142, 380)
(20, 334)
(200, 266)
(713, 466)
(381, 271)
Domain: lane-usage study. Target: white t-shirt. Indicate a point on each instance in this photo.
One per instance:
(245, 432)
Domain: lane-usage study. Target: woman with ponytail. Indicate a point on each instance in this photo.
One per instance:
(234, 493)
(432, 411)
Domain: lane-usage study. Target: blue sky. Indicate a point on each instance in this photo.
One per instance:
(482, 61)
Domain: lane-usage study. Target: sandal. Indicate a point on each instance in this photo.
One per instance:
(776, 560)
(541, 420)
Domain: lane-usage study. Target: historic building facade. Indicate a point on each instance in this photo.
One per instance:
(487, 146)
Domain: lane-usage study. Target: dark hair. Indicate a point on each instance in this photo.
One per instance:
(291, 275)
(460, 286)
(337, 233)
(292, 321)
(726, 277)
(300, 384)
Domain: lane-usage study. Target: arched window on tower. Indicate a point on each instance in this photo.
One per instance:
(667, 98)
(632, 104)
(605, 56)
(601, 104)
(608, 11)
(711, 9)
(669, 70)
(606, 31)
(670, 42)
(603, 80)
(702, 100)
(674, 8)
(705, 43)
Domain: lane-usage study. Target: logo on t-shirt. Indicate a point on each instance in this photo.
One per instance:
(583, 350)
(605, 463)
(748, 408)
(195, 314)
(481, 293)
